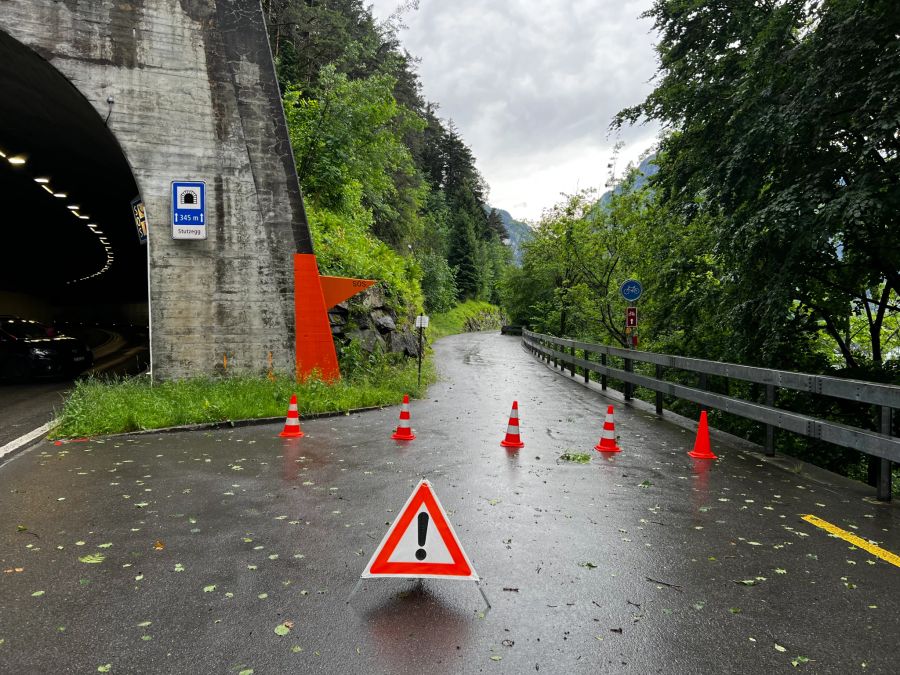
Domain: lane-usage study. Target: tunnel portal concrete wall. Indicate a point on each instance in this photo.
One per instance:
(195, 98)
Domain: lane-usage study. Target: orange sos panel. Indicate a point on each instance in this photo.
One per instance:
(313, 296)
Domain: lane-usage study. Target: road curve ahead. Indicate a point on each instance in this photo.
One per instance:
(225, 551)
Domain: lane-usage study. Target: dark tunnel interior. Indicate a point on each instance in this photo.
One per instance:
(71, 248)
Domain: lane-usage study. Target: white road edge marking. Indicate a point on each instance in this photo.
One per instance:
(22, 440)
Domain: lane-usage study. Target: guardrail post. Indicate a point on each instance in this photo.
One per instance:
(572, 367)
(629, 388)
(603, 375)
(770, 430)
(884, 475)
(659, 396)
(587, 373)
(702, 386)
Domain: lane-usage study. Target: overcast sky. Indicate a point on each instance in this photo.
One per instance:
(532, 86)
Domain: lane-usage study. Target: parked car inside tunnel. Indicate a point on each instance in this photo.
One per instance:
(31, 349)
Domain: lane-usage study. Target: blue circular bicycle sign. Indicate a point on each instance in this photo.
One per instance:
(631, 290)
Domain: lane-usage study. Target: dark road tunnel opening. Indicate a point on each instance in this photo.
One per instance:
(73, 253)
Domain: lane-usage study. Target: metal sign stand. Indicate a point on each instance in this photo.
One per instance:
(421, 325)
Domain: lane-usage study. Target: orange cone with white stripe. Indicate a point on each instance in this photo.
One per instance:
(404, 433)
(513, 440)
(608, 437)
(701, 444)
(292, 423)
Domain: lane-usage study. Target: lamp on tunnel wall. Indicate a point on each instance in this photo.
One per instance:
(109, 101)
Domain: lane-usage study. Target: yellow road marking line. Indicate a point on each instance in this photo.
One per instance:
(877, 551)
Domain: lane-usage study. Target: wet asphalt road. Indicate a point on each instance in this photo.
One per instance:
(255, 530)
(27, 405)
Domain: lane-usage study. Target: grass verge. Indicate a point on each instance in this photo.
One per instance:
(472, 315)
(98, 406)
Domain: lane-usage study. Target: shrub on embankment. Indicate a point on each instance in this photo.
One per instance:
(97, 406)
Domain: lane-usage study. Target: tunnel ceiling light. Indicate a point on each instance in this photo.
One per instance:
(83, 217)
(47, 189)
(42, 181)
(2, 154)
(18, 160)
(60, 195)
(73, 207)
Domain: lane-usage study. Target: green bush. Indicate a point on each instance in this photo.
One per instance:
(472, 315)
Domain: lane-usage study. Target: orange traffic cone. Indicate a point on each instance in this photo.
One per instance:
(404, 433)
(608, 437)
(513, 440)
(701, 445)
(292, 423)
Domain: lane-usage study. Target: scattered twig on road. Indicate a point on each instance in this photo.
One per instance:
(633, 604)
(514, 590)
(665, 583)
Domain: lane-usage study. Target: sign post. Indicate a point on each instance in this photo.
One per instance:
(421, 324)
(631, 290)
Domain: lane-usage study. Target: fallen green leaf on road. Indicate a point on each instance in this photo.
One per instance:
(104, 545)
(144, 624)
(796, 661)
(282, 629)
(588, 565)
(179, 567)
(37, 594)
(779, 648)
(735, 610)
(92, 558)
(496, 657)
(105, 668)
(645, 484)
(577, 457)
(778, 570)
(296, 649)
(209, 589)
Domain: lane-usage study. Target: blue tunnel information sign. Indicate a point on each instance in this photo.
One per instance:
(188, 210)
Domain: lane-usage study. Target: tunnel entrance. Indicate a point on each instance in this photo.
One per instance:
(73, 253)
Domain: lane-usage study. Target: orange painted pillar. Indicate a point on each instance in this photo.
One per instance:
(314, 342)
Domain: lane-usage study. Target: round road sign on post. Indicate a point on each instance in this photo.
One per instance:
(631, 290)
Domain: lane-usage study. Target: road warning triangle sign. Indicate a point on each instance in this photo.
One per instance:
(421, 543)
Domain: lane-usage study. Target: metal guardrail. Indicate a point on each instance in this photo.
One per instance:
(881, 445)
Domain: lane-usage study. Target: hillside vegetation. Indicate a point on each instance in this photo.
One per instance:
(391, 190)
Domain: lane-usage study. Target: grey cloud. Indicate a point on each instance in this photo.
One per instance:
(525, 78)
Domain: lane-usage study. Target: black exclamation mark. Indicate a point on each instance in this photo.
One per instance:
(423, 532)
